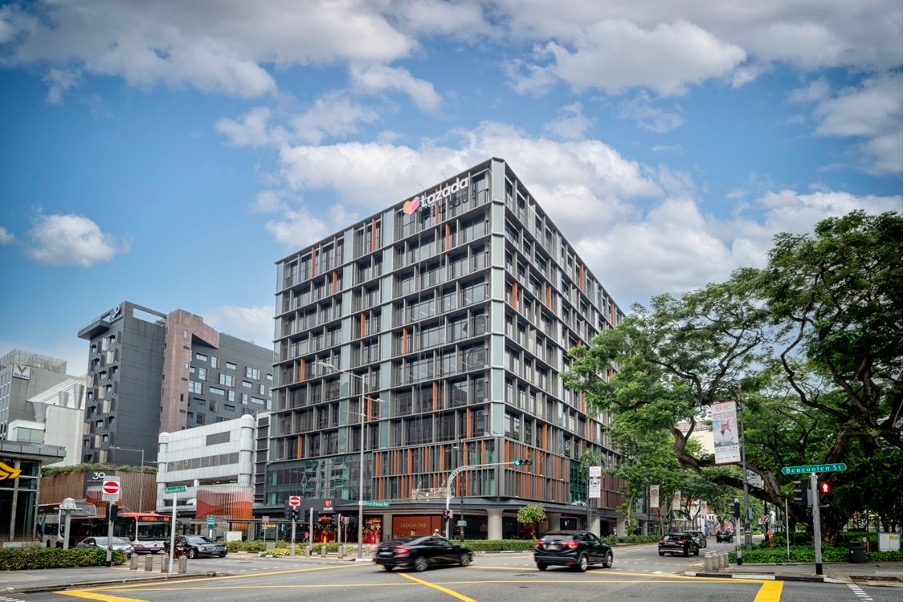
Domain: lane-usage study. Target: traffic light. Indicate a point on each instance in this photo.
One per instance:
(295, 514)
(825, 494)
(112, 512)
(446, 515)
(520, 462)
(802, 492)
(736, 509)
(341, 519)
(287, 512)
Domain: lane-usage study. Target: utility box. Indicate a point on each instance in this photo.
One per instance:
(889, 542)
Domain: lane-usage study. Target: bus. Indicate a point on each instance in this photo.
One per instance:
(50, 519)
(146, 531)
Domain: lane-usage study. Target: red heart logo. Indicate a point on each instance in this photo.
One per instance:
(411, 206)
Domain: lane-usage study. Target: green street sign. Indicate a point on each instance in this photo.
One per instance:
(175, 489)
(808, 468)
(376, 504)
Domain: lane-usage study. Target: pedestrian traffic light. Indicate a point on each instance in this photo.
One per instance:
(802, 492)
(446, 515)
(520, 462)
(112, 511)
(825, 494)
(341, 519)
(287, 512)
(736, 509)
(295, 513)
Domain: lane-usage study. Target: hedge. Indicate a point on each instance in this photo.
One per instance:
(780, 555)
(39, 557)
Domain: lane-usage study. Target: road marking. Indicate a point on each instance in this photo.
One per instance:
(861, 595)
(81, 593)
(445, 590)
(771, 591)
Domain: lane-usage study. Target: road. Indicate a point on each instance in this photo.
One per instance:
(638, 574)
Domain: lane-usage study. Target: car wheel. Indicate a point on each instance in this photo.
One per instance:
(687, 552)
(662, 553)
(582, 564)
(607, 561)
(154, 551)
(465, 560)
(541, 567)
(697, 552)
(420, 565)
(223, 555)
(192, 553)
(387, 567)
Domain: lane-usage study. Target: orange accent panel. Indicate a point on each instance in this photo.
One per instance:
(435, 396)
(302, 370)
(405, 340)
(335, 282)
(581, 276)
(363, 324)
(313, 262)
(548, 296)
(448, 237)
(373, 234)
(515, 295)
(299, 446)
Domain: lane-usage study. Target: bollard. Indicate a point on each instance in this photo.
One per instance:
(183, 565)
(323, 551)
(164, 565)
(723, 560)
(133, 562)
(708, 562)
(308, 550)
(148, 563)
(341, 552)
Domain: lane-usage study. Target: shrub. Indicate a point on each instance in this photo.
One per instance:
(39, 557)
(806, 554)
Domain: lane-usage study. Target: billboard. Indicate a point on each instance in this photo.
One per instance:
(725, 433)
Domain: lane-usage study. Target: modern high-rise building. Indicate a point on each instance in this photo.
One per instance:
(151, 372)
(22, 376)
(441, 324)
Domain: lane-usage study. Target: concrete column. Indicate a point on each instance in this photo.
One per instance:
(594, 524)
(621, 526)
(494, 523)
(555, 521)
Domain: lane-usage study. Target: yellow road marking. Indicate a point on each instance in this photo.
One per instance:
(90, 595)
(770, 592)
(445, 590)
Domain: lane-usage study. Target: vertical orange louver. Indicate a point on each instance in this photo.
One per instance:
(515, 295)
(436, 213)
(448, 237)
(468, 423)
(373, 234)
(581, 276)
(435, 396)
(405, 340)
(335, 282)
(302, 370)
(548, 296)
(299, 446)
(363, 325)
(313, 262)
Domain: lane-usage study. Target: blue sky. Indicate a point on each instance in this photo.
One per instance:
(169, 152)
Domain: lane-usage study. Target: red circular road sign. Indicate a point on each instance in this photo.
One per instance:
(111, 487)
(294, 500)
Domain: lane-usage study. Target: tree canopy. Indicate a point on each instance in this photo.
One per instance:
(810, 347)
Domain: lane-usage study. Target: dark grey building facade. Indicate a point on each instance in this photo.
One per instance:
(151, 372)
(22, 376)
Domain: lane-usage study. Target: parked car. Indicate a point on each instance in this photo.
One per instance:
(577, 549)
(421, 552)
(678, 543)
(194, 546)
(724, 536)
(698, 536)
(119, 543)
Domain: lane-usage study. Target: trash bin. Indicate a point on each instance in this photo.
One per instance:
(856, 552)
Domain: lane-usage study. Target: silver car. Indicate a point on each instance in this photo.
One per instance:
(101, 542)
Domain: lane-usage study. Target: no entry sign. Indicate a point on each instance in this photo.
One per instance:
(294, 501)
(111, 489)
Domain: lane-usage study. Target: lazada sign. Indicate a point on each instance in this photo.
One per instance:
(431, 199)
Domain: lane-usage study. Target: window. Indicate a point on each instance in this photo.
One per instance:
(245, 398)
(216, 391)
(213, 361)
(202, 373)
(231, 366)
(253, 373)
(226, 379)
(200, 357)
(195, 387)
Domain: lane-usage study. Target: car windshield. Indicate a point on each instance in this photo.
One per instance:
(673, 536)
(558, 537)
(198, 539)
(117, 541)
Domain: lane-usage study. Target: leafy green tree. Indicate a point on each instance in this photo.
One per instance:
(533, 515)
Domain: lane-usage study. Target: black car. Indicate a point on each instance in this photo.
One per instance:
(698, 536)
(678, 543)
(421, 552)
(577, 549)
(194, 546)
(724, 536)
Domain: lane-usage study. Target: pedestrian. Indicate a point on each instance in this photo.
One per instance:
(436, 533)
(769, 535)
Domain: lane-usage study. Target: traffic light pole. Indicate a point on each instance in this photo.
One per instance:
(461, 469)
(817, 524)
(294, 522)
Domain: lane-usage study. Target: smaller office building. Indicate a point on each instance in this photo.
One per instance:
(20, 481)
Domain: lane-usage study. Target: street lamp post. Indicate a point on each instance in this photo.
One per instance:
(363, 415)
(141, 480)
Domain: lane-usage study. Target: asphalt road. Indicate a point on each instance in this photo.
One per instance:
(638, 574)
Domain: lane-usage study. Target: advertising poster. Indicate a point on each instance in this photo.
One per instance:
(725, 433)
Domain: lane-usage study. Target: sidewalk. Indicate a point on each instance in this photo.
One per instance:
(44, 580)
(869, 573)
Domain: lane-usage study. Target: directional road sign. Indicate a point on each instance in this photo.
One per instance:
(175, 489)
(808, 468)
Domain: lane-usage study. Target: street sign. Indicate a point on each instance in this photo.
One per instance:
(110, 489)
(211, 521)
(376, 504)
(294, 501)
(175, 489)
(808, 468)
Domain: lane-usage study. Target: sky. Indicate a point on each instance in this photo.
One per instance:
(169, 153)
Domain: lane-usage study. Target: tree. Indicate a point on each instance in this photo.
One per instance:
(533, 515)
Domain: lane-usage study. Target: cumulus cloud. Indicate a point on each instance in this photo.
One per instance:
(5, 236)
(376, 79)
(72, 240)
(253, 324)
(571, 125)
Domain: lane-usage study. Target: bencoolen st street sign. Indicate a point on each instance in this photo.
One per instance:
(808, 468)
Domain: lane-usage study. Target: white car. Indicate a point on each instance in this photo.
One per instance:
(101, 542)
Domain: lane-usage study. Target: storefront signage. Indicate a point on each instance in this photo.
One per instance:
(8, 472)
(23, 372)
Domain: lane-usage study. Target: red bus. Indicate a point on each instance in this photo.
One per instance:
(146, 531)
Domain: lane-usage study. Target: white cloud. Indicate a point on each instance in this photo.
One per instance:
(375, 79)
(252, 130)
(571, 125)
(334, 115)
(5, 236)
(253, 324)
(71, 240)
(649, 117)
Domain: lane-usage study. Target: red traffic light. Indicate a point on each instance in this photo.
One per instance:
(825, 487)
